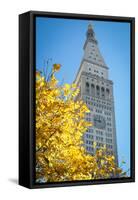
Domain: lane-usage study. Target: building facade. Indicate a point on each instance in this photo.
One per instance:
(96, 90)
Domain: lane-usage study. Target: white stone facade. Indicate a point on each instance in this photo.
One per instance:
(97, 91)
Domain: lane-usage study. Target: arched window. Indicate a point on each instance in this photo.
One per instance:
(87, 88)
(92, 89)
(107, 93)
(103, 92)
(97, 91)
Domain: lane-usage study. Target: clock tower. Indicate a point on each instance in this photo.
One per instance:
(96, 90)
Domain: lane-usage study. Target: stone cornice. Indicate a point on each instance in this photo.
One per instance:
(84, 60)
(90, 75)
(95, 63)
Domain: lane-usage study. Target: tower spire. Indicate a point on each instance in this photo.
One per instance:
(91, 49)
(90, 32)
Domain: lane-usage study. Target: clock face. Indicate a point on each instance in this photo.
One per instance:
(99, 122)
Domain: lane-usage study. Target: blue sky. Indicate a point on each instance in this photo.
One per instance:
(63, 40)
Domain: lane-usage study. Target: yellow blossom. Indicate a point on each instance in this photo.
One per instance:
(56, 67)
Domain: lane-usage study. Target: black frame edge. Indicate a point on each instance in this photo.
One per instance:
(133, 99)
(81, 16)
(24, 97)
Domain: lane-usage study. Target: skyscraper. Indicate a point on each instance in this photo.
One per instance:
(96, 90)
